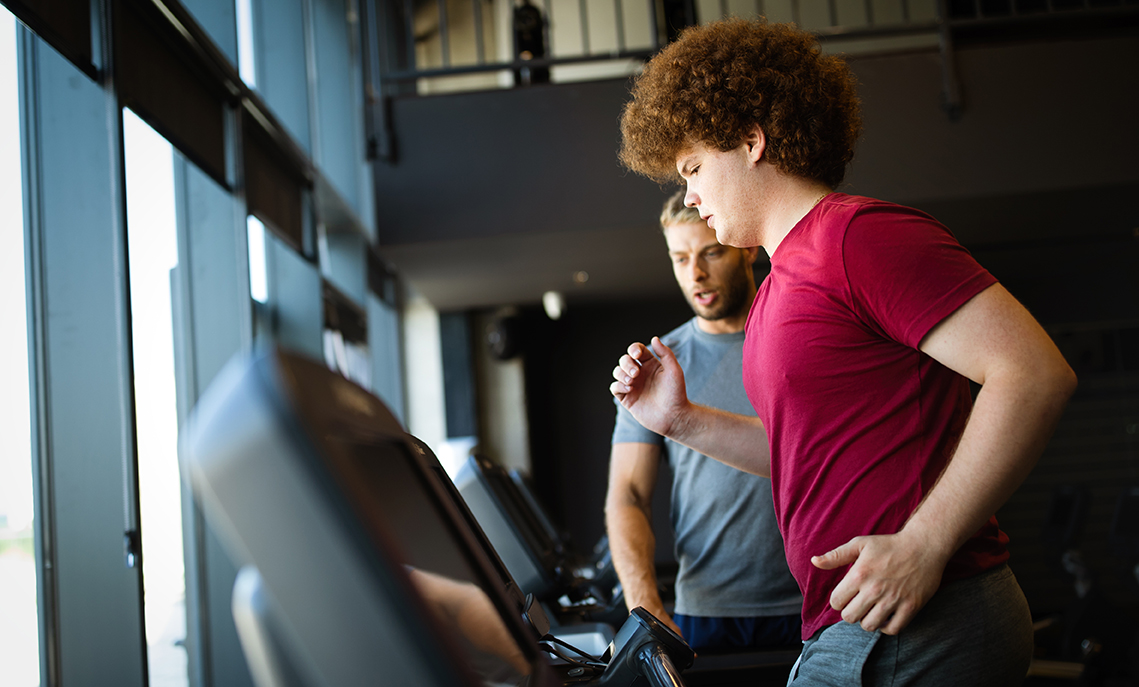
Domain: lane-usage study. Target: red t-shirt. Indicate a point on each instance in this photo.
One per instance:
(860, 421)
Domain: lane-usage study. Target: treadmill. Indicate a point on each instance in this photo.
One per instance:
(571, 588)
(358, 564)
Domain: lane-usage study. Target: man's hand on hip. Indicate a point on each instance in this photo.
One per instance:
(891, 578)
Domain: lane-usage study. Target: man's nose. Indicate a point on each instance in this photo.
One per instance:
(691, 198)
(697, 271)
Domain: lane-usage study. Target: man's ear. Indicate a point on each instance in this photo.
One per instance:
(752, 254)
(755, 143)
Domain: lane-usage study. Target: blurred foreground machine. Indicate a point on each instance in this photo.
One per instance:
(571, 587)
(362, 564)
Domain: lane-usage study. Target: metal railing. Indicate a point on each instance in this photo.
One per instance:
(423, 46)
(578, 31)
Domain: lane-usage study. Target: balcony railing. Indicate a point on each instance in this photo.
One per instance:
(448, 45)
(436, 46)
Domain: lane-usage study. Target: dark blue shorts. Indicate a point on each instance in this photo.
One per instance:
(736, 634)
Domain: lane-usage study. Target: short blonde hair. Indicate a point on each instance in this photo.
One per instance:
(675, 212)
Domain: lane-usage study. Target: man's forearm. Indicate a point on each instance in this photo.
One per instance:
(628, 519)
(653, 390)
(1025, 385)
(1012, 420)
(633, 548)
(736, 440)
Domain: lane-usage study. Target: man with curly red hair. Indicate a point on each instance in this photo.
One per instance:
(859, 349)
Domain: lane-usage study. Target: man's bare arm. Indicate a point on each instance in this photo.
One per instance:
(653, 390)
(1025, 384)
(628, 519)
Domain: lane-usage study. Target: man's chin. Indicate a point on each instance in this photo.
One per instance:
(710, 314)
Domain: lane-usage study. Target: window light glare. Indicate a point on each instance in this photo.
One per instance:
(246, 62)
(19, 640)
(258, 275)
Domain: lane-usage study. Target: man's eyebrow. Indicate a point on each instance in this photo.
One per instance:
(702, 249)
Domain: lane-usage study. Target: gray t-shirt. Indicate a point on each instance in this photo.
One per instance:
(730, 552)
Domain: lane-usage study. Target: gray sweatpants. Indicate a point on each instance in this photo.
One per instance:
(975, 632)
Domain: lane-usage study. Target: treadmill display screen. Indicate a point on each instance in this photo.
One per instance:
(391, 489)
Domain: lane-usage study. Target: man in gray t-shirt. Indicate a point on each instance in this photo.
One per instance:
(733, 589)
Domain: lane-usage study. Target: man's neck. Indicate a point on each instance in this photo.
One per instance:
(788, 200)
(724, 325)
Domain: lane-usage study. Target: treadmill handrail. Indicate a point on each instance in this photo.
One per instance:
(657, 667)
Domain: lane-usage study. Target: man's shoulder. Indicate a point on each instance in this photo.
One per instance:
(680, 336)
(690, 337)
(860, 213)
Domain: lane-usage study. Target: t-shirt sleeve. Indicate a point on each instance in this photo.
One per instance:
(628, 430)
(906, 272)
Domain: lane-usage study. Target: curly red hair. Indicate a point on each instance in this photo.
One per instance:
(719, 80)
